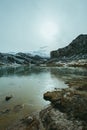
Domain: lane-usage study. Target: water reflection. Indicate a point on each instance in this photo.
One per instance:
(19, 71)
(25, 71)
(69, 71)
(27, 86)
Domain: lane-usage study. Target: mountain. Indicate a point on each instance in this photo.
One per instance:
(20, 58)
(76, 50)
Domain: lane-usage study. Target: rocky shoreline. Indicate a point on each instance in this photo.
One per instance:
(67, 110)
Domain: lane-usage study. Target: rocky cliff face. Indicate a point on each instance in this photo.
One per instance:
(77, 49)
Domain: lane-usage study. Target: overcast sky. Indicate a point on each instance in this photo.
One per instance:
(27, 25)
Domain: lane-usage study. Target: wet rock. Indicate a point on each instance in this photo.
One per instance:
(53, 119)
(71, 102)
(27, 123)
(6, 111)
(17, 108)
(82, 87)
(29, 119)
(32, 123)
(7, 98)
(52, 96)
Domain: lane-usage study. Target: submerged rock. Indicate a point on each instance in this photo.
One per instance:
(17, 108)
(6, 111)
(27, 123)
(7, 98)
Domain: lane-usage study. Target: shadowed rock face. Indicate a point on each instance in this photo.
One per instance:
(77, 49)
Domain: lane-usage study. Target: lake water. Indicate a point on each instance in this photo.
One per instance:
(27, 86)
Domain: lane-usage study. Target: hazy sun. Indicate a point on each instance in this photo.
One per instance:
(48, 30)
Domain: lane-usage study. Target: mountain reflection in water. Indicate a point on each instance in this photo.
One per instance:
(25, 71)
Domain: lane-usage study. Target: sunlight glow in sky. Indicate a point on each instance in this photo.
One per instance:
(48, 30)
(27, 25)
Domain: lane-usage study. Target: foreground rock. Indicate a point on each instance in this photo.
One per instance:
(53, 119)
(67, 111)
(31, 122)
(73, 103)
